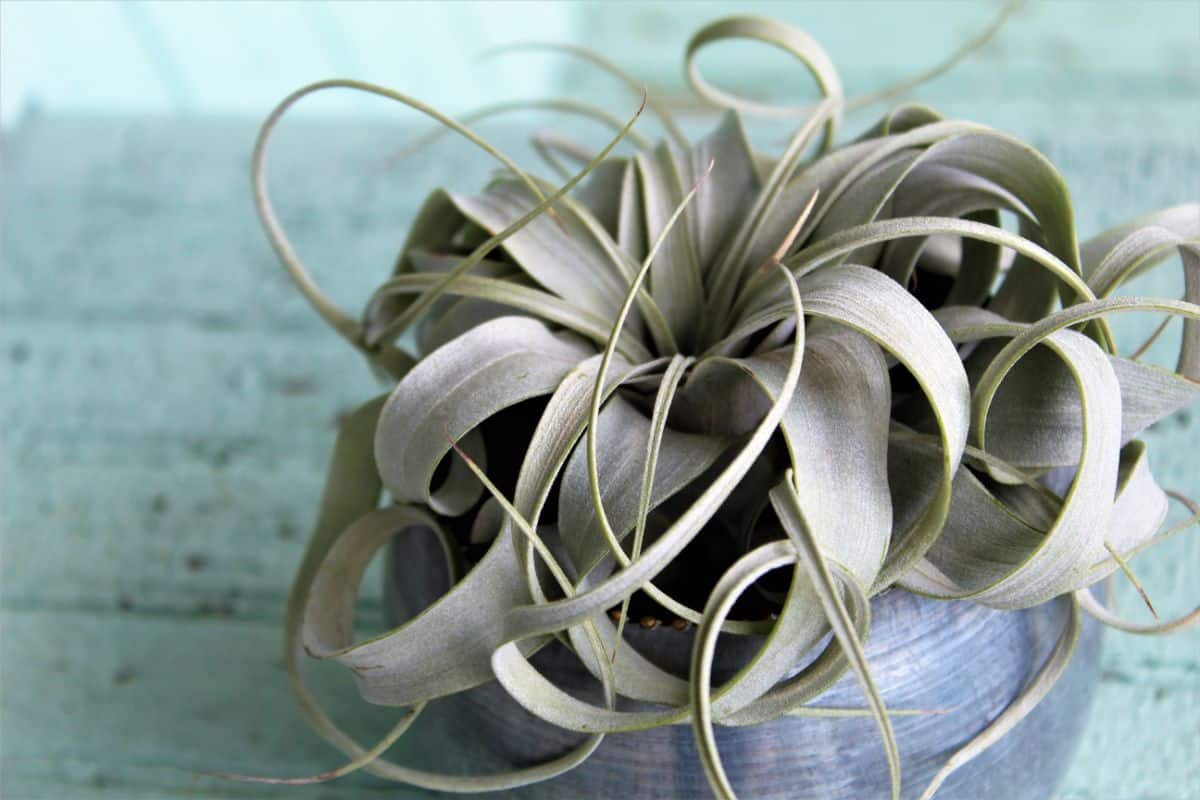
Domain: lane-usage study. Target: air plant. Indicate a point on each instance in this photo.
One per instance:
(638, 392)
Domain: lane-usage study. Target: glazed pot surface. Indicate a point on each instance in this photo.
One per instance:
(959, 659)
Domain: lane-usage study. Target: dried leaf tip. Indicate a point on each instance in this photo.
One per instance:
(792, 233)
(790, 239)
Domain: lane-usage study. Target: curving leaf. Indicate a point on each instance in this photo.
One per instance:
(1182, 220)
(557, 615)
(562, 424)
(876, 306)
(675, 277)
(454, 389)
(1036, 420)
(601, 194)
(564, 257)
(786, 503)
(993, 533)
(508, 294)
(714, 215)
(836, 429)
(623, 434)
(1035, 417)
(1088, 504)
(631, 219)
(351, 491)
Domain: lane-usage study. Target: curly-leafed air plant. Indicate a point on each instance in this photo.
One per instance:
(639, 391)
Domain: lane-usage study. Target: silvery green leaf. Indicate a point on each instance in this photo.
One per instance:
(631, 219)
(623, 433)
(601, 194)
(787, 505)
(1088, 505)
(937, 190)
(727, 274)
(714, 215)
(778, 216)
(1035, 419)
(900, 119)
(557, 615)
(570, 262)
(837, 426)
(426, 261)
(869, 197)
(351, 493)
(452, 391)
(1175, 230)
(512, 294)
(675, 270)
(878, 307)
(1182, 220)
(762, 292)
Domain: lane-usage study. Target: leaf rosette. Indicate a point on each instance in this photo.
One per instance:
(738, 390)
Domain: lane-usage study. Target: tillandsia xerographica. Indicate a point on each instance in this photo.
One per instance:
(637, 392)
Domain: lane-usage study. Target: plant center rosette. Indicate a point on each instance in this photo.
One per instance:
(739, 390)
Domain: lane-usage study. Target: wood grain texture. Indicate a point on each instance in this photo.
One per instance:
(227, 56)
(169, 402)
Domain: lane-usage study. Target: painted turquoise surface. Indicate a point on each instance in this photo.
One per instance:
(169, 400)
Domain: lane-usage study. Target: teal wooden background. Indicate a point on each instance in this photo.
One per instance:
(169, 400)
(228, 56)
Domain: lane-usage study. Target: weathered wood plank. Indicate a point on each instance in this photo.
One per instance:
(130, 706)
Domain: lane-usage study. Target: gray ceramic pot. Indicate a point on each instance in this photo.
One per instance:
(924, 654)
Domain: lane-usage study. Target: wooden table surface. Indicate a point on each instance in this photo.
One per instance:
(169, 402)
